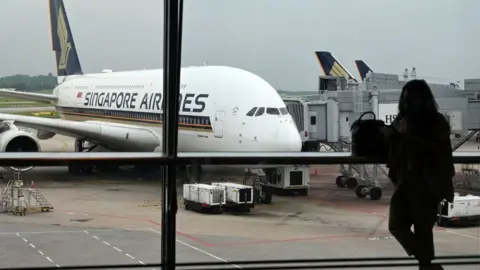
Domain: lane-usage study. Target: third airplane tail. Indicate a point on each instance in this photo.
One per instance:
(68, 62)
(331, 66)
(363, 68)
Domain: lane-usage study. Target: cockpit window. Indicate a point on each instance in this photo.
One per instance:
(260, 111)
(283, 111)
(252, 111)
(273, 111)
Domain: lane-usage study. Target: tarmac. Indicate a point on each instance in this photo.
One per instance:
(116, 219)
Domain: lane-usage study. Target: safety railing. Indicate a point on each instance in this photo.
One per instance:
(204, 158)
(237, 158)
(337, 263)
(173, 10)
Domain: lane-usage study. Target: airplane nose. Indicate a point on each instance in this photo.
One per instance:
(289, 139)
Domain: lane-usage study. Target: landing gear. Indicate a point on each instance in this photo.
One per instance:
(375, 193)
(362, 191)
(78, 167)
(340, 181)
(85, 167)
(346, 181)
(107, 168)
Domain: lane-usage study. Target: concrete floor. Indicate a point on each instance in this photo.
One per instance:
(115, 219)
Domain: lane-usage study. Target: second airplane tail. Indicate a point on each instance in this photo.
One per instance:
(331, 66)
(68, 62)
(363, 68)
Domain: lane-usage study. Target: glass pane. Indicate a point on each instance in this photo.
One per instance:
(111, 212)
(252, 111)
(273, 111)
(319, 94)
(260, 111)
(70, 101)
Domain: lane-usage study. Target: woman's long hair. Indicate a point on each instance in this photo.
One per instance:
(417, 106)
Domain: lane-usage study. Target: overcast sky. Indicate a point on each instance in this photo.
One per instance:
(274, 38)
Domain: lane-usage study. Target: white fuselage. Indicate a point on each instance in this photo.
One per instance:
(214, 102)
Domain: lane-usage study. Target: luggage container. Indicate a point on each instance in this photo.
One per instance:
(238, 197)
(289, 179)
(463, 210)
(203, 198)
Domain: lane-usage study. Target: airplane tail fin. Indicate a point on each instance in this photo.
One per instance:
(363, 68)
(331, 66)
(68, 62)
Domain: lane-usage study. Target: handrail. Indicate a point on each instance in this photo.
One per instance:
(210, 158)
(332, 263)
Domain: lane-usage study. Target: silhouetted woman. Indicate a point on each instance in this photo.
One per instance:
(421, 167)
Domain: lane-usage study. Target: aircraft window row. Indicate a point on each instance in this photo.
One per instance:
(81, 87)
(272, 111)
(134, 86)
(134, 115)
(192, 120)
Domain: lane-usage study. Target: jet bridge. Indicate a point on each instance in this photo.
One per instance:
(324, 120)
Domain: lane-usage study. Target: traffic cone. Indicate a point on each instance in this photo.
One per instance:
(32, 185)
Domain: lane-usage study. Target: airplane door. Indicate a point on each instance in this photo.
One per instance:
(218, 124)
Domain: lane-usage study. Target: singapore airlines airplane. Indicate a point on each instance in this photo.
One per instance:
(221, 108)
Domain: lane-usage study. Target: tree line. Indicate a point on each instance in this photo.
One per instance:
(29, 83)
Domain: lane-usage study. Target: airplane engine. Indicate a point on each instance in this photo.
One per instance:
(15, 140)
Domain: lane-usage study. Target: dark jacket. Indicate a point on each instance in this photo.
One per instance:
(424, 157)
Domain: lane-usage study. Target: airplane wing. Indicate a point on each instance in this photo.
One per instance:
(38, 97)
(113, 136)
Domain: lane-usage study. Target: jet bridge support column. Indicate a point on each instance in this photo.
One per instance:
(374, 102)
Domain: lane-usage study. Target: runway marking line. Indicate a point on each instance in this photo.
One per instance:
(74, 231)
(291, 240)
(209, 244)
(463, 235)
(193, 238)
(39, 251)
(200, 250)
(115, 248)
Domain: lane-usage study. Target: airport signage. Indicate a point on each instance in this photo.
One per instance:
(387, 112)
(188, 102)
